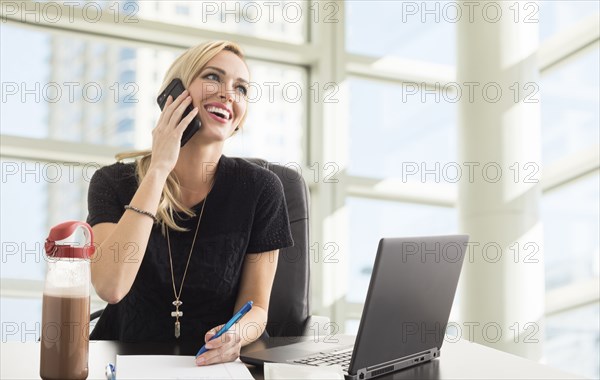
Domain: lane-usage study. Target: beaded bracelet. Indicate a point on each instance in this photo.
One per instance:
(147, 213)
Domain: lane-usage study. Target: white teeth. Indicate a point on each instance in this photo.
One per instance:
(218, 110)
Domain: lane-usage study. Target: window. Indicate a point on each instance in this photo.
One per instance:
(557, 15)
(276, 118)
(20, 78)
(44, 97)
(54, 192)
(404, 130)
(387, 219)
(406, 127)
(411, 30)
(570, 212)
(285, 20)
(126, 54)
(182, 10)
(396, 126)
(21, 319)
(573, 337)
(571, 108)
(571, 219)
(128, 100)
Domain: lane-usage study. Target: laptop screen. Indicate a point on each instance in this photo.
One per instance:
(409, 298)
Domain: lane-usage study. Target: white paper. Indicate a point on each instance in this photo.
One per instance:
(155, 367)
(292, 371)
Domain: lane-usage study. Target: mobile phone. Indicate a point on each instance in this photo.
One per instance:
(175, 88)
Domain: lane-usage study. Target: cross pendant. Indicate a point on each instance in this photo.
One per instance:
(177, 329)
(176, 314)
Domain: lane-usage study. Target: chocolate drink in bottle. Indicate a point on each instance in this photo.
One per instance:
(66, 304)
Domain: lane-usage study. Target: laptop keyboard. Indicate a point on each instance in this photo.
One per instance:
(341, 357)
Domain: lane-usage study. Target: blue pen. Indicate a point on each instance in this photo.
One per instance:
(246, 308)
(109, 371)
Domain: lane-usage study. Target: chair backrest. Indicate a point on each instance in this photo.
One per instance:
(289, 303)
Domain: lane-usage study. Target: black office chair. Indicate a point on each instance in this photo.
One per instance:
(289, 311)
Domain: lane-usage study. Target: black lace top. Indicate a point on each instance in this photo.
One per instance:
(245, 213)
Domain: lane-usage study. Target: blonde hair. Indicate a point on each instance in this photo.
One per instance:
(186, 67)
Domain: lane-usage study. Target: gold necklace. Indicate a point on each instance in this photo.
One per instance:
(177, 313)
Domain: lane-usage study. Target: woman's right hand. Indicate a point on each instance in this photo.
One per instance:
(166, 136)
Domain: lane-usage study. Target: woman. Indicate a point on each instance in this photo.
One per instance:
(187, 235)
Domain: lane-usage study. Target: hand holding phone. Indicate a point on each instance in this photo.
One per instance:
(175, 88)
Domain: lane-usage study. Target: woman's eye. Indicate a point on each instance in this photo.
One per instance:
(212, 76)
(243, 90)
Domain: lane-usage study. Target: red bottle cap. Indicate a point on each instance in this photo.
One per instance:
(63, 231)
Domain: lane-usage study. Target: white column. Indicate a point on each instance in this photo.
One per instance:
(502, 284)
(328, 150)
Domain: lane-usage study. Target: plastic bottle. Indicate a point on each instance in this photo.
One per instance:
(66, 304)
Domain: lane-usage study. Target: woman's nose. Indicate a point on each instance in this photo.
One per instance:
(224, 97)
(226, 93)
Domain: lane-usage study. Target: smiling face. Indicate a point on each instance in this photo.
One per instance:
(219, 91)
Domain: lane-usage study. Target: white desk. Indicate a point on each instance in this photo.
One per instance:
(461, 360)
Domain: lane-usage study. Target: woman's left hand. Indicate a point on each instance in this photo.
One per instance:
(225, 348)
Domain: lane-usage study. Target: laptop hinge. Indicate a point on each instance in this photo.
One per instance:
(397, 364)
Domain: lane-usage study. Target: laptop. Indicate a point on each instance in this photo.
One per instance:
(405, 314)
